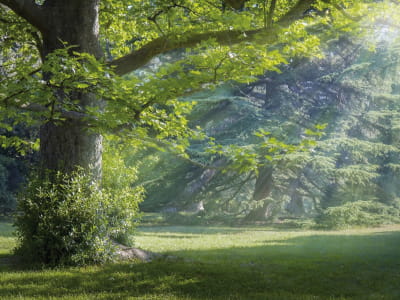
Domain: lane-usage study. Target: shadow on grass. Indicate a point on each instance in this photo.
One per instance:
(204, 229)
(321, 266)
(10, 263)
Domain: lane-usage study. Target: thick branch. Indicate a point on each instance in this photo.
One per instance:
(142, 56)
(28, 10)
(38, 108)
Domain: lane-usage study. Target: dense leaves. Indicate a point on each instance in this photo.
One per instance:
(149, 98)
(70, 221)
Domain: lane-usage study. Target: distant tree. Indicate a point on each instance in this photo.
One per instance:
(352, 89)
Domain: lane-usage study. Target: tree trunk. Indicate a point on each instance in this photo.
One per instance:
(262, 190)
(66, 146)
(264, 184)
(296, 206)
(69, 144)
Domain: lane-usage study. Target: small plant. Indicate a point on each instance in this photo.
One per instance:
(69, 220)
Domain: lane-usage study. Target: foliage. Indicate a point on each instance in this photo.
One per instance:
(267, 151)
(13, 169)
(143, 104)
(7, 199)
(355, 159)
(358, 213)
(119, 176)
(70, 221)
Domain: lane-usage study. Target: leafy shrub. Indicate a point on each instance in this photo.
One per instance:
(70, 221)
(358, 213)
(123, 214)
(118, 178)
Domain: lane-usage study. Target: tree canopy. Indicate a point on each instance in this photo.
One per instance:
(208, 43)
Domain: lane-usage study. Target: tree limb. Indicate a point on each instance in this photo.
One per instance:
(38, 108)
(249, 177)
(344, 13)
(142, 56)
(28, 10)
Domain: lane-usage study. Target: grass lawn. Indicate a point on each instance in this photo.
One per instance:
(226, 263)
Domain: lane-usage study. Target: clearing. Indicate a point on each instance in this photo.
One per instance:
(225, 263)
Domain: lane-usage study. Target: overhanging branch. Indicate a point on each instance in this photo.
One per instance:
(142, 56)
(38, 108)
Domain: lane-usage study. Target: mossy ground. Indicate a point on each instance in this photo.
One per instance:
(225, 263)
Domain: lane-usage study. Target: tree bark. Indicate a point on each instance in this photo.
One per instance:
(66, 146)
(262, 190)
(264, 184)
(69, 144)
(296, 206)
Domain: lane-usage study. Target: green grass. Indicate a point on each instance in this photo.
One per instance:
(226, 263)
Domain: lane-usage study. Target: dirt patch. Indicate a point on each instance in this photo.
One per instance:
(130, 253)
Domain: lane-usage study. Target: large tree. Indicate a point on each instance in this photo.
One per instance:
(226, 42)
(80, 68)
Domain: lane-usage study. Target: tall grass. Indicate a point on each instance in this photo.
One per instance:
(226, 263)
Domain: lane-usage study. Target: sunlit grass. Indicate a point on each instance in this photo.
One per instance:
(226, 263)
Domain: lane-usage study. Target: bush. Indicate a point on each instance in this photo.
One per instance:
(123, 215)
(70, 221)
(358, 213)
(118, 178)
